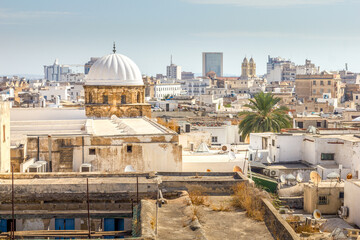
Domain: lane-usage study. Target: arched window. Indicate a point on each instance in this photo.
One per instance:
(90, 98)
(123, 99)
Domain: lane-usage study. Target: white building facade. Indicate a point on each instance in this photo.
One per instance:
(167, 90)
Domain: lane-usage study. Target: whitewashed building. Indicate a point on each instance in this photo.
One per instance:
(163, 90)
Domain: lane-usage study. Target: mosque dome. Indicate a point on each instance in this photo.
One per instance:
(114, 70)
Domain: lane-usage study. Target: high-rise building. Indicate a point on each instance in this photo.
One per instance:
(89, 64)
(173, 71)
(54, 72)
(212, 61)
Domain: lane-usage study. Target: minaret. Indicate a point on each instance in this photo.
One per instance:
(245, 69)
(252, 68)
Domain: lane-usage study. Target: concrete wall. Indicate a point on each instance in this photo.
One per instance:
(286, 148)
(4, 136)
(351, 200)
(312, 193)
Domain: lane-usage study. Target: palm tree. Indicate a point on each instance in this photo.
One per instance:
(265, 115)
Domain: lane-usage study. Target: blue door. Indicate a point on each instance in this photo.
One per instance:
(64, 224)
(3, 225)
(113, 224)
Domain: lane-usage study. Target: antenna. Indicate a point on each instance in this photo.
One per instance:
(171, 59)
(346, 66)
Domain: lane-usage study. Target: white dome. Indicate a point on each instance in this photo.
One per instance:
(114, 69)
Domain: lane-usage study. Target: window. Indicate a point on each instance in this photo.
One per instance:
(318, 124)
(138, 97)
(357, 97)
(129, 148)
(341, 195)
(105, 99)
(123, 99)
(314, 82)
(314, 91)
(329, 82)
(273, 143)
(300, 124)
(323, 200)
(322, 83)
(327, 156)
(214, 139)
(92, 151)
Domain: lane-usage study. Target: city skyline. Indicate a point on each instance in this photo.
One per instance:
(295, 30)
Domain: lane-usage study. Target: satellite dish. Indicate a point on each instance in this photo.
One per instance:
(333, 175)
(315, 177)
(299, 177)
(317, 214)
(224, 148)
(232, 155)
(237, 169)
(290, 177)
(349, 176)
(282, 178)
(129, 168)
(208, 170)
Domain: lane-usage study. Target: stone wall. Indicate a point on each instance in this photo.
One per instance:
(122, 101)
(278, 227)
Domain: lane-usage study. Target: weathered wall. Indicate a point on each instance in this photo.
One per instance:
(197, 137)
(278, 227)
(4, 136)
(148, 152)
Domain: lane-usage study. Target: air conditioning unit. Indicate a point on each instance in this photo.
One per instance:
(85, 167)
(343, 212)
(225, 147)
(266, 172)
(35, 167)
(274, 173)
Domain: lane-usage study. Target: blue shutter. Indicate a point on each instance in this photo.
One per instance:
(69, 224)
(3, 225)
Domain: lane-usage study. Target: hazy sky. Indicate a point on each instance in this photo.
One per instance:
(34, 33)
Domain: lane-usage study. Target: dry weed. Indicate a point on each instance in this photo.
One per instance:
(196, 213)
(198, 197)
(250, 199)
(220, 208)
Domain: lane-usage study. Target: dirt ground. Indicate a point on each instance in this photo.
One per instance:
(174, 222)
